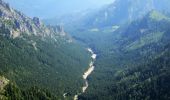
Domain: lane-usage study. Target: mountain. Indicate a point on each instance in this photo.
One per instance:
(52, 8)
(117, 13)
(17, 24)
(38, 62)
(121, 12)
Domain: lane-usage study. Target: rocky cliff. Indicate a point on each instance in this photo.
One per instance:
(16, 24)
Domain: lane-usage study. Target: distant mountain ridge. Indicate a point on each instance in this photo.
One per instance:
(122, 11)
(117, 13)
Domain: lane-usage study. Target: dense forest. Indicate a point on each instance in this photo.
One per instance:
(44, 65)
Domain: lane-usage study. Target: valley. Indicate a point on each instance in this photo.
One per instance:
(117, 52)
(87, 73)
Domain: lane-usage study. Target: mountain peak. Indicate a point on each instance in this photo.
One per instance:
(17, 23)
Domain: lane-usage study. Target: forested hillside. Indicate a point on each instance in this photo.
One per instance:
(39, 62)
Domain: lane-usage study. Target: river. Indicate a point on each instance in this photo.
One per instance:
(87, 73)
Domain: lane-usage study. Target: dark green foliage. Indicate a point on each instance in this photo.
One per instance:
(56, 66)
(14, 93)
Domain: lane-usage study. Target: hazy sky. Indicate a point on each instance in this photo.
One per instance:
(51, 8)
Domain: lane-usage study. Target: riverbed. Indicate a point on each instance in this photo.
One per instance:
(87, 73)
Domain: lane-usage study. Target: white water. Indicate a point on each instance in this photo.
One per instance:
(64, 95)
(87, 73)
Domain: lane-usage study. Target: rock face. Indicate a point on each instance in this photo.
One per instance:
(5, 5)
(18, 24)
(37, 21)
(60, 30)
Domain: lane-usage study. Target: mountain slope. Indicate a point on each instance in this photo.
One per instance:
(39, 61)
